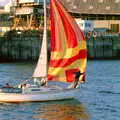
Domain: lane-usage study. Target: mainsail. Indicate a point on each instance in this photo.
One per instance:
(68, 45)
(42, 66)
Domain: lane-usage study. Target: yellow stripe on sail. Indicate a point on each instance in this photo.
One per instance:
(70, 52)
(81, 64)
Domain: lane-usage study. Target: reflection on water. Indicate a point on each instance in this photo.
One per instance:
(54, 110)
(67, 110)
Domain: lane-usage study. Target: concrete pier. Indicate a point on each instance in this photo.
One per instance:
(19, 48)
(104, 47)
(26, 48)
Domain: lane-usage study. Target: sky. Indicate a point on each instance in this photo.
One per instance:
(3, 2)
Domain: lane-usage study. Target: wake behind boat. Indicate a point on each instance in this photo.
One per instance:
(67, 61)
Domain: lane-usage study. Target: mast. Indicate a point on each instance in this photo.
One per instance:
(45, 30)
(45, 19)
(41, 70)
(45, 35)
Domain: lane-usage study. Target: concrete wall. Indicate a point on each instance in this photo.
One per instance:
(19, 48)
(104, 47)
(27, 48)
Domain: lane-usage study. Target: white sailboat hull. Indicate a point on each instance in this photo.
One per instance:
(39, 96)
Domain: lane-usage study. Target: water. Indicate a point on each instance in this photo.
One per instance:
(98, 100)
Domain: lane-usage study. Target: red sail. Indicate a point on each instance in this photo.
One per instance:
(68, 45)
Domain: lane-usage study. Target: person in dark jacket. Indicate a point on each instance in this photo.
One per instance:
(7, 86)
(77, 76)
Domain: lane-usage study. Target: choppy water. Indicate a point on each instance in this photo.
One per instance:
(98, 100)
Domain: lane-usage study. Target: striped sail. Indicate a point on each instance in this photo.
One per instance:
(68, 45)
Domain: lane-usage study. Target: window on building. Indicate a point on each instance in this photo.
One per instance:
(115, 28)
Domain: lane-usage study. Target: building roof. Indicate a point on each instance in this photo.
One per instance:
(93, 6)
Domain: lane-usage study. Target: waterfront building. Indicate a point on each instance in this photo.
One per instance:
(5, 22)
(100, 15)
(105, 14)
(27, 14)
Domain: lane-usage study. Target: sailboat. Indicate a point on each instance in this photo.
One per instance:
(68, 57)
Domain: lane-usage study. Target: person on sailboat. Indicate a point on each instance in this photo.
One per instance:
(77, 76)
(75, 82)
(43, 81)
(40, 81)
(7, 86)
